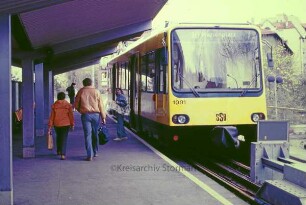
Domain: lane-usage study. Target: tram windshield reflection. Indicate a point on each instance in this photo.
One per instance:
(215, 60)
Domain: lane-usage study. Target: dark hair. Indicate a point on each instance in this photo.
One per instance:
(72, 83)
(121, 91)
(61, 96)
(87, 82)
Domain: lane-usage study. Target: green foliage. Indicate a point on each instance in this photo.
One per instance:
(60, 82)
(290, 93)
(16, 74)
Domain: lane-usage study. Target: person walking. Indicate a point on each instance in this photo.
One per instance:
(121, 105)
(61, 118)
(89, 103)
(71, 93)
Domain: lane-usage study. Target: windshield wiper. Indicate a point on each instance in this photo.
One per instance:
(228, 75)
(196, 94)
(247, 89)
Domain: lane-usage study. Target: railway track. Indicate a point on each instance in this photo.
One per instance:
(233, 175)
(230, 174)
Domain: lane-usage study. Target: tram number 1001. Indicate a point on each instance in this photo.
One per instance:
(221, 117)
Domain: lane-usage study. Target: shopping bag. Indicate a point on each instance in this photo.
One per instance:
(103, 135)
(49, 141)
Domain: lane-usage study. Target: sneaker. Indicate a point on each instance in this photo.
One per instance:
(124, 138)
(63, 157)
(96, 155)
(118, 139)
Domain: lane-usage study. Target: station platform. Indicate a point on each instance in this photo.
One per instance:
(125, 172)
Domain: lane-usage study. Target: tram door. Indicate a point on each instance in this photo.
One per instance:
(134, 91)
(160, 91)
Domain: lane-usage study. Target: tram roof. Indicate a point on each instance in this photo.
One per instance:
(70, 34)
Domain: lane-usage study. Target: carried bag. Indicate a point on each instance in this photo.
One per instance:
(127, 110)
(49, 141)
(120, 109)
(103, 135)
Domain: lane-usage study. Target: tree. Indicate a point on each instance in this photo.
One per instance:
(290, 93)
(62, 81)
(16, 73)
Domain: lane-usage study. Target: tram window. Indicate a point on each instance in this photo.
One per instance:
(151, 77)
(177, 66)
(123, 79)
(143, 74)
(117, 75)
(162, 68)
(151, 72)
(166, 80)
(120, 76)
(127, 73)
(126, 76)
(161, 79)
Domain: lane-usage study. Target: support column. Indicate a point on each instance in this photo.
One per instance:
(6, 174)
(15, 96)
(51, 89)
(28, 108)
(46, 96)
(39, 99)
(48, 93)
(20, 95)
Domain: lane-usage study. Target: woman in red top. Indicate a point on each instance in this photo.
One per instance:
(62, 120)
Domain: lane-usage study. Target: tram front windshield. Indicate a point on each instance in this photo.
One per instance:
(215, 60)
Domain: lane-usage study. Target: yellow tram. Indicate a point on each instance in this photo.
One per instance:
(194, 82)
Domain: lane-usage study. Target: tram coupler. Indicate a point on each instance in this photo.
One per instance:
(283, 180)
(225, 137)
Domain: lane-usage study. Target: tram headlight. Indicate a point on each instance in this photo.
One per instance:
(257, 116)
(180, 119)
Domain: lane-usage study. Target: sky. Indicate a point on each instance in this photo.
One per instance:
(228, 11)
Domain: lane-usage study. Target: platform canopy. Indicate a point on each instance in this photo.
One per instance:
(70, 34)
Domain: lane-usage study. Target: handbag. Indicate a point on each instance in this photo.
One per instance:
(103, 135)
(122, 110)
(49, 141)
(127, 110)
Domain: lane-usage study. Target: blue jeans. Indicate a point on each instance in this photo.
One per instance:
(120, 126)
(90, 122)
(61, 139)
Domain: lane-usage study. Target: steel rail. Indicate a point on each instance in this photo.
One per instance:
(244, 192)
